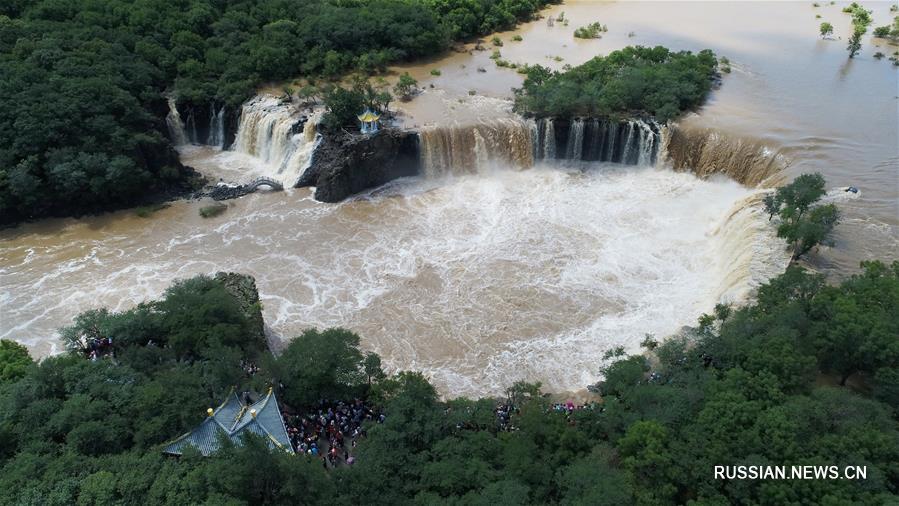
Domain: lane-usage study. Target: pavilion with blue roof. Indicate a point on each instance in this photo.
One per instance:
(231, 420)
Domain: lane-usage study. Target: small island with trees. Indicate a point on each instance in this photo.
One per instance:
(632, 81)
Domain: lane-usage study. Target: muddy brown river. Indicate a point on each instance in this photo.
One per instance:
(482, 279)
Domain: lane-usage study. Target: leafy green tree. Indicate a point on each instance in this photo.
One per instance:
(856, 330)
(14, 361)
(371, 364)
(802, 228)
(826, 29)
(321, 365)
(855, 42)
(647, 457)
(405, 86)
(807, 231)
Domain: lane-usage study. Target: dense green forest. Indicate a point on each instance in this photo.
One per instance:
(634, 80)
(807, 375)
(83, 82)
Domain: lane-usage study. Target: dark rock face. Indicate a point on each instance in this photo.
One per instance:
(198, 119)
(346, 164)
(243, 288)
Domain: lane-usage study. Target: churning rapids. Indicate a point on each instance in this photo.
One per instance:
(478, 273)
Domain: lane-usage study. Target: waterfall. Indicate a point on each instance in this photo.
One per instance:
(475, 148)
(648, 145)
(705, 152)
(175, 125)
(192, 136)
(575, 146)
(216, 127)
(611, 137)
(750, 252)
(632, 142)
(277, 134)
(517, 143)
(549, 139)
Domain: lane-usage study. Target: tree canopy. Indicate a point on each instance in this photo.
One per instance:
(632, 81)
(803, 223)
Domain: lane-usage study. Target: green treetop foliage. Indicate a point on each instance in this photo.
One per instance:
(888, 31)
(405, 86)
(323, 365)
(803, 224)
(634, 80)
(861, 18)
(14, 361)
(591, 31)
(826, 29)
(345, 103)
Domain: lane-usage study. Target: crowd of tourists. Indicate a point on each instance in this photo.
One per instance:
(249, 368)
(96, 348)
(331, 431)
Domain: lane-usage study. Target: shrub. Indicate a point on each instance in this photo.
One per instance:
(213, 210)
(405, 86)
(497, 41)
(146, 211)
(591, 31)
(435, 72)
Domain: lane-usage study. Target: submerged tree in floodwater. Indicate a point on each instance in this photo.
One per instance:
(802, 224)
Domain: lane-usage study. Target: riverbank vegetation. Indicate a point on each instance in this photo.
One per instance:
(806, 375)
(632, 81)
(82, 98)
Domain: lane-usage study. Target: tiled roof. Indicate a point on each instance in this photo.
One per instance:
(232, 419)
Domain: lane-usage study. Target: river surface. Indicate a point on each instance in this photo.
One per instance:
(483, 279)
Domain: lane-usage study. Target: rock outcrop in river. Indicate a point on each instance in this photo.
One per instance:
(346, 164)
(243, 288)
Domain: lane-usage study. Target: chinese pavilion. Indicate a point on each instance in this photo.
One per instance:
(368, 122)
(231, 420)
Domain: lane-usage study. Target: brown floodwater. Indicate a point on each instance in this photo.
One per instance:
(489, 277)
(789, 89)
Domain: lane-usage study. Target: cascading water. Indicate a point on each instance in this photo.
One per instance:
(549, 140)
(216, 127)
(705, 152)
(749, 250)
(278, 135)
(175, 125)
(192, 136)
(475, 148)
(631, 142)
(576, 140)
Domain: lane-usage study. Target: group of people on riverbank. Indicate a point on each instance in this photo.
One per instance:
(94, 349)
(249, 368)
(331, 431)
